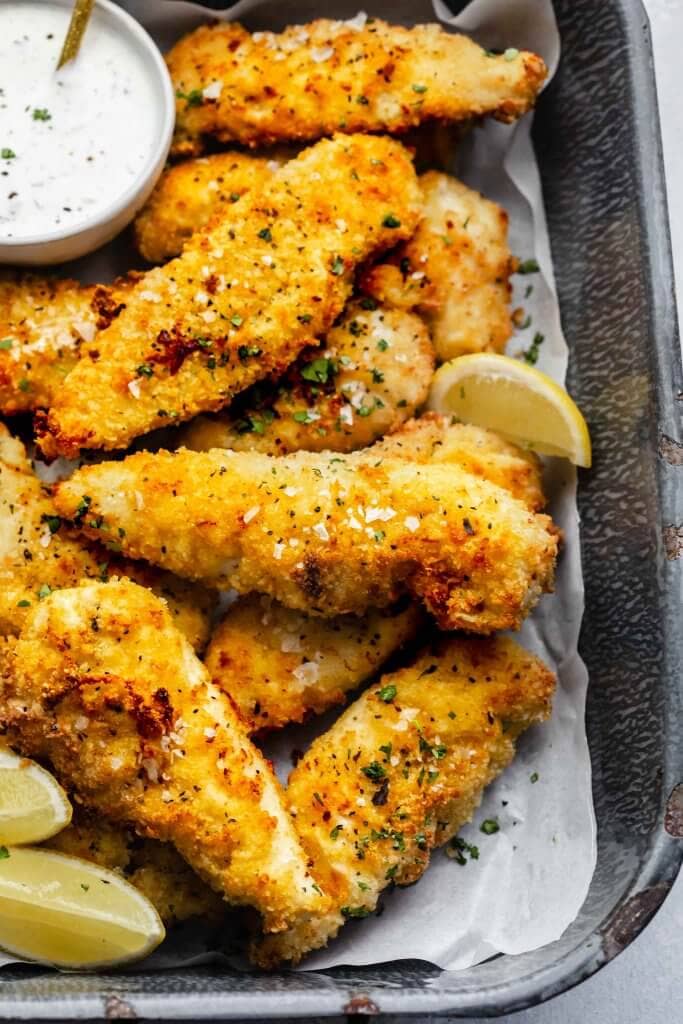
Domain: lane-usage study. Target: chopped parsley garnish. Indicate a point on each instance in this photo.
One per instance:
(528, 267)
(363, 100)
(84, 887)
(4, 853)
(303, 416)
(382, 344)
(391, 872)
(236, 320)
(457, 848)
(531, 354)
(41, 114)
(320, 371)
(23, 604)
(337, 267)
(419, 88)
(305, 318)
(511, 53)
(234, 196)
(44, 591)
(24, 385)
(193, 98)
(6, 343)
(355, 911)
(387, 693)
(53, 522)
(7, 154)
(374, 771)
(377, 376)
(335, 831)
(489, 827)
(364, 410)
(82, 507)
(368, 303)
(265, 234)
(145, 370)
(391, 222)
(244, 351)
(534, 777)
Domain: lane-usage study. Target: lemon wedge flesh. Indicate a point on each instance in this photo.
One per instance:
(69, 913)
(514, 399)
(33, 806)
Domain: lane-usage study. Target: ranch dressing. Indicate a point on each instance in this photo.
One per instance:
(72, 141)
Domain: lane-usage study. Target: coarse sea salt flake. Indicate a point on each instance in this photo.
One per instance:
(277, 550)
(134, 388)
(251, 513)
(320, 530)
(307, 673)
(319, 54)
(411, 523)
(213, 91)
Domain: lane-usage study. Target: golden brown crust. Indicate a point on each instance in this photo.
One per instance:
(152, 867)
(328, 534)
(45, 325)
(39, 554)
(281, 666)
(189, 194)
(329, 76)
(270, 276)
(402, 770)
(102, 685)
(371, 373)
(455, 270)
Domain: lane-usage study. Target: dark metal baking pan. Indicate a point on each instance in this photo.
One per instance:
(597, 138)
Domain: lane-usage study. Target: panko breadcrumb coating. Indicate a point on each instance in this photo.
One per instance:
(328, 76)
(481, 452)
(281, 666)
(189, 194)
(154, 868)
(325, 533)
(268, 278)
(402, 770)
(371, 374)
(44, 324)
(455, 270)
(102, 685)
(38, 554)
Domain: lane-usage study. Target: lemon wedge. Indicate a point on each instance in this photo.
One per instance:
(70, 913)
(33, 806)
(514, 399)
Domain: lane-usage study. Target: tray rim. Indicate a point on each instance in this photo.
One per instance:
(665, 859)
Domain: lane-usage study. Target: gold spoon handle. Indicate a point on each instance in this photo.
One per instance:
(80, 16)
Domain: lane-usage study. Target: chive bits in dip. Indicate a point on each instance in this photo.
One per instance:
(80, 147)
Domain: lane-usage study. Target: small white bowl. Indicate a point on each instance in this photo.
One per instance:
(74, 240)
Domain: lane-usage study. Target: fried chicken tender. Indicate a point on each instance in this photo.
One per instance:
(152, 867)
(280, 665)
(189, 194)
(103, 686)
(455, 270)
(402, 770)
(372, 373)
(44, 323)
(39, 554)
(329, 76)
(483, 453)
(327, 535)
(244, 299)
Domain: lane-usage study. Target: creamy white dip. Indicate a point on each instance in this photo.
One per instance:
(71, 141)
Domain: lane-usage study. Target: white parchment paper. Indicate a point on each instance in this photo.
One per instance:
(532, 876)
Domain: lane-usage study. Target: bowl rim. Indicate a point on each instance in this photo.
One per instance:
(157, 153)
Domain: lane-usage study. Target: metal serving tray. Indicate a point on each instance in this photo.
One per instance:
(597, 137)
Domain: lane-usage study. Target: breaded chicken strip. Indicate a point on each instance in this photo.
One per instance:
(281, 666)
(402, 770)
(372, 373)
(244, 299)
(38, 554)
(189, 194)
(483, 453)
(329, 76)
(153, 868)
(455, 270)
(44, 322)
(327, 534)
(102, 685)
